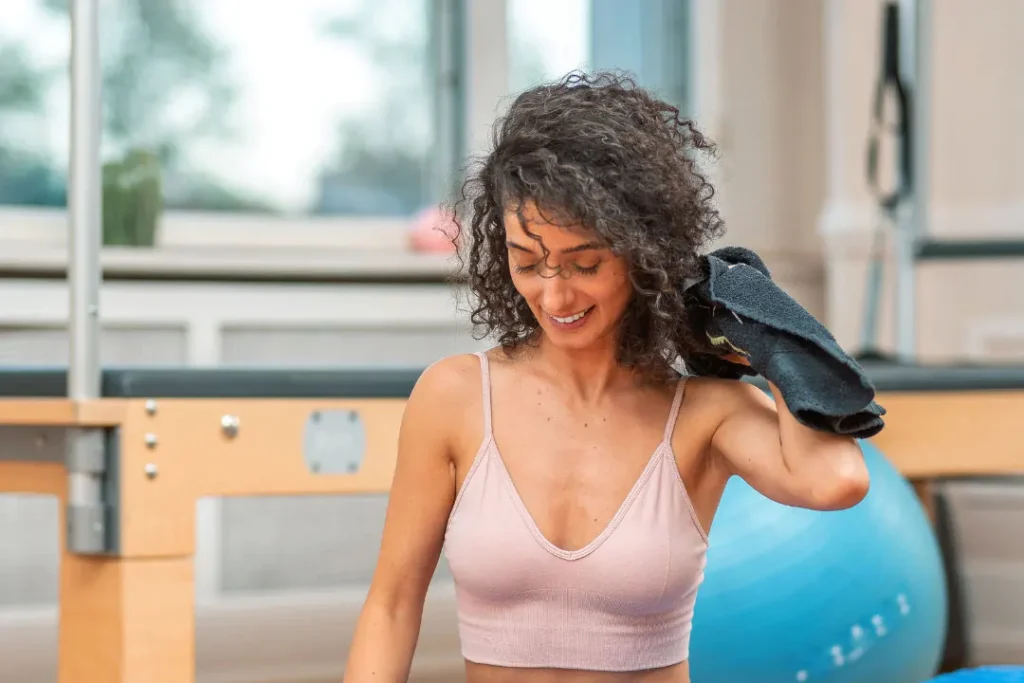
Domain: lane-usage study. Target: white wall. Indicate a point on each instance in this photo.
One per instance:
(976, 187)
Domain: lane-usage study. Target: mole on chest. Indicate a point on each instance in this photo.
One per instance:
(568, 433)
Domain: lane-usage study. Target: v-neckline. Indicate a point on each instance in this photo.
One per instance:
(609, 528)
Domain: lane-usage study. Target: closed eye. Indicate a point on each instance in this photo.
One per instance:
(583, 270)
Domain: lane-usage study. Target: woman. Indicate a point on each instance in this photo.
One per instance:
(571, 474)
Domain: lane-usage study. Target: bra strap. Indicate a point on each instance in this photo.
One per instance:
(674, 413)
(485, 372)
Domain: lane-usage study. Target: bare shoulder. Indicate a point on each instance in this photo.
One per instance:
(447, 383)
(444, 394)
(451, 375)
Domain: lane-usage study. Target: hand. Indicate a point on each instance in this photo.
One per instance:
(736, 358)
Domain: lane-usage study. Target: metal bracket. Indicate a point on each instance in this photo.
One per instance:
(335, 442)
(32, 444)
(93, 495)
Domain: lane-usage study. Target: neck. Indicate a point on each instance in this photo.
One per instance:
(586, 373)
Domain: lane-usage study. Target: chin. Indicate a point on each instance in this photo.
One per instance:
(570, 342)
(575, 340)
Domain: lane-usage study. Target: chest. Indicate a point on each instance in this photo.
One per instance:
(573, 469)
(644, 557)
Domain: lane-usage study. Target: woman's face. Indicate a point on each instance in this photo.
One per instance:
(580, 292)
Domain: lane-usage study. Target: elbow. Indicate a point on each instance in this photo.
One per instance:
(847, 484)
(844, 493)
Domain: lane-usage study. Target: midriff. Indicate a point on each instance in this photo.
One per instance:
(484, 673)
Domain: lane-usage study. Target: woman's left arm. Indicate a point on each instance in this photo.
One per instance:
(782, 459)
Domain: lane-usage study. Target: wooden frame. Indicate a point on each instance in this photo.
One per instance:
(129, 616)
(932, 435)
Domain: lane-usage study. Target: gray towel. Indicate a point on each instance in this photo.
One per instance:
(741, 310)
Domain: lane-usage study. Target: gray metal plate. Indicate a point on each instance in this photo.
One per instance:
(334, 442)
(33, 444)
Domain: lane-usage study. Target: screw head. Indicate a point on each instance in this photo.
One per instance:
(229, 426)
(151, 440)
(150, 407)
(151, 470)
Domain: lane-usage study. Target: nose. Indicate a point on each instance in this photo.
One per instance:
(558, 294)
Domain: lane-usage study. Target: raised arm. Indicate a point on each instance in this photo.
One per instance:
(421, 498)
(761, 442)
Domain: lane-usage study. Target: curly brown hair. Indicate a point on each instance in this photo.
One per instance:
(597, 151)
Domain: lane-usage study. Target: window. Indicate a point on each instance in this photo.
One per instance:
(649, 39)
(305, 109)
(546, 40)
(315, 123)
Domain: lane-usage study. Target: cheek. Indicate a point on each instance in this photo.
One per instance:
(609, 289)
(526, 286)
(612, 291)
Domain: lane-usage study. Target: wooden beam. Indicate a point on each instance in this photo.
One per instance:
(927, 435)
(29, 412)
(126, 620)
(934, 435)
(179, 454)
(121, 620)
(47, 478)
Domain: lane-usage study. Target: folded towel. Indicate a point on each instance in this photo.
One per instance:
(741, 310)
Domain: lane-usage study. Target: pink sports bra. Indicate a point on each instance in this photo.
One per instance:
(624, 602)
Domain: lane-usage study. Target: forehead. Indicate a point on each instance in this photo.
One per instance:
(526, 224)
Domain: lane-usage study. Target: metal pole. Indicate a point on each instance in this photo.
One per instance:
(487, 67)
(88, 526)
(85, 234)
(915, 19)
(447, 47)
(921, 62)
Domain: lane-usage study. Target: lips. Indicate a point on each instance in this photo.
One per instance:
(566, 319)
(572, 320)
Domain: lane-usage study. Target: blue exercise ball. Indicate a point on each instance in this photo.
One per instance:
(793, 595)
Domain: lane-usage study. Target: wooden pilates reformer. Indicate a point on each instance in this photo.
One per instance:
(131, 464)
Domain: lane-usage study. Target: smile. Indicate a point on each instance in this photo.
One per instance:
(574, 318)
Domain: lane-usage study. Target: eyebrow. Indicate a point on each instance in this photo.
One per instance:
(586, 246)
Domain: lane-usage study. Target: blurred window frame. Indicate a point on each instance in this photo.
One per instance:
(33, 240)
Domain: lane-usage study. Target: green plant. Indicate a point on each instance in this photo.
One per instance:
(132, 199)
